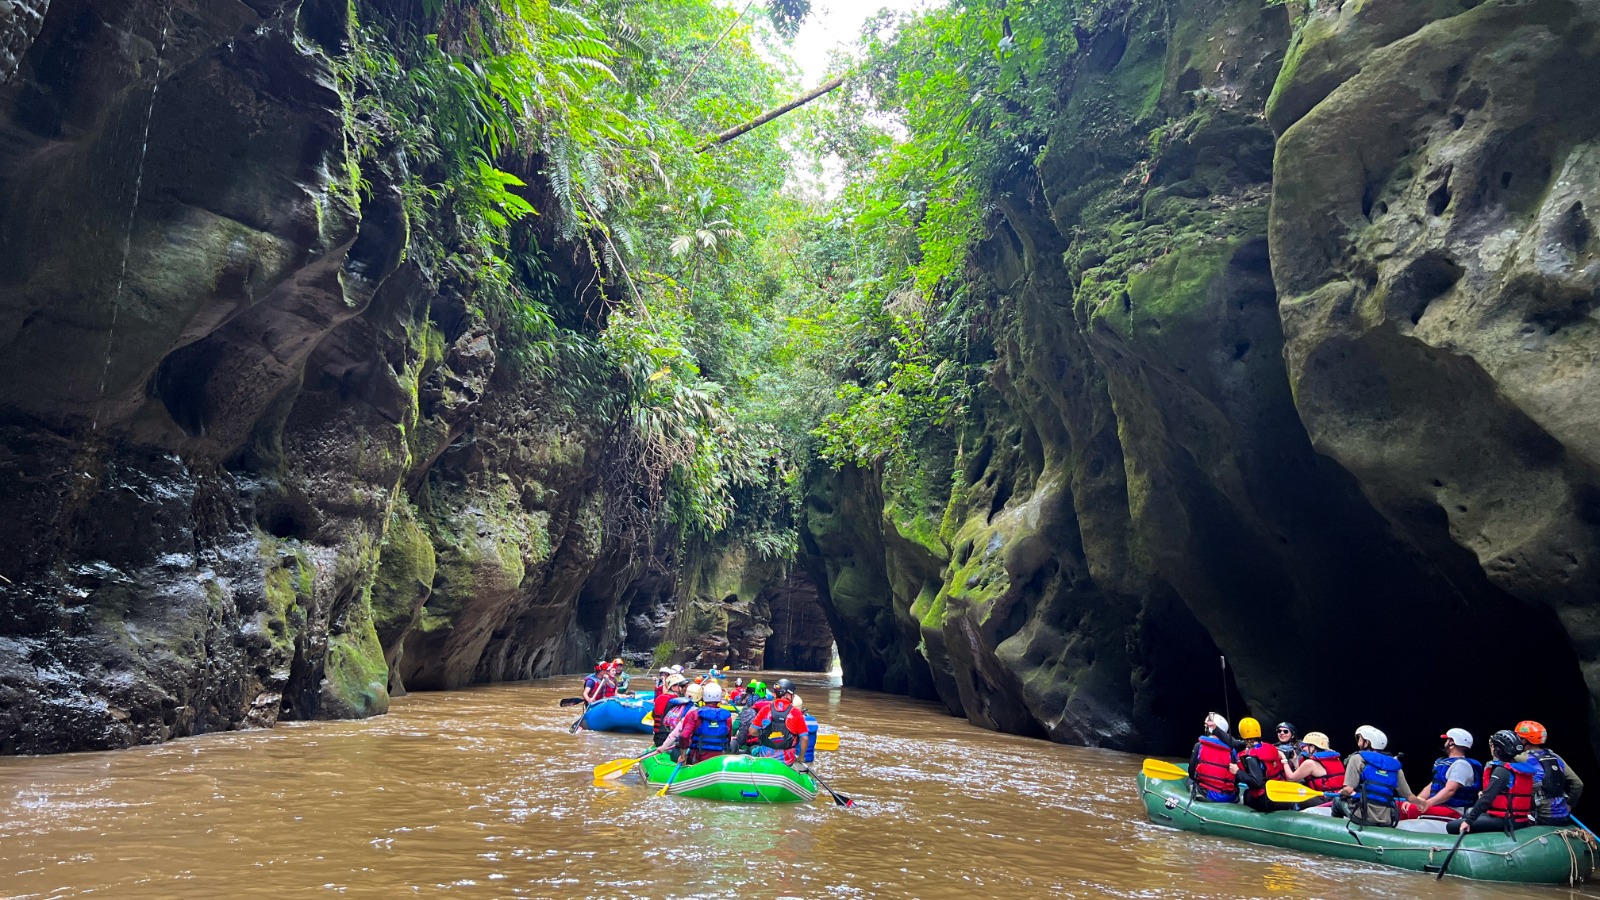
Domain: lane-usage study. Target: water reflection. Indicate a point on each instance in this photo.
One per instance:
(484, 793)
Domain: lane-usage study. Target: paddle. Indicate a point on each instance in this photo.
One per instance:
(826, 742)
(683, 758)
(1162, 771)
(649, 719)
(1289, 792)
(573, 728)
(838, 798)
(1445, 866)
(618, 766)
(571, 701)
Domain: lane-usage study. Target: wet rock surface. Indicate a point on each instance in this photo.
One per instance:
(1293, 343)
(261, 469)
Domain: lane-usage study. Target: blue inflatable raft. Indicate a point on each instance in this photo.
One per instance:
(619, 714)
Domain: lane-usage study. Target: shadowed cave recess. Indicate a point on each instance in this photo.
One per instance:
(1288, 335)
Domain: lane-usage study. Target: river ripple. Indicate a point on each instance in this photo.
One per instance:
(484, 793)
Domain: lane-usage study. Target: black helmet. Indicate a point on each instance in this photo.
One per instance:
(1506, 743)
(784, 686)
(1289, 726)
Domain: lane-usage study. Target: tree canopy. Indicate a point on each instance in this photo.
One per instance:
(791, 298)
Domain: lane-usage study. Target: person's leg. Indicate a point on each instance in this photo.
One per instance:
(1486, 824)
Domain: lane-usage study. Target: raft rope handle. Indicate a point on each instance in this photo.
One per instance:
(752, 778)
(1592, 847)
(1590, 850)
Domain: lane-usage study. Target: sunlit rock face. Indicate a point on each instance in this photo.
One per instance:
(256, 466)
(1293, 320)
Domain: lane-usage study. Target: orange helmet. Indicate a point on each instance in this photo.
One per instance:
(1532, 732)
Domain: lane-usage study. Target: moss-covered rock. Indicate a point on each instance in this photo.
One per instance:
(231, 449)
(1433, 213)
(355, 676)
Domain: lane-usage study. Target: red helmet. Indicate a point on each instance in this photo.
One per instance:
(1532, 732)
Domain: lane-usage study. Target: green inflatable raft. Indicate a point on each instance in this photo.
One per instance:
(1537, 855)
(733, 778)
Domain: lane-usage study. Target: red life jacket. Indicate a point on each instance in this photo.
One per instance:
(1334, 764)
(1211, 769)
(1516, 801)
(1271, 761)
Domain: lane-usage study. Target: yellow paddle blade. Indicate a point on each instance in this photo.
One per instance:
(1162, 771)
(649, 719)
(613, 768)
(1289, 792)
(663, 791)
(827, 742)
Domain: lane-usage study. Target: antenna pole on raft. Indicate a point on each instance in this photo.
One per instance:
(1226, 706)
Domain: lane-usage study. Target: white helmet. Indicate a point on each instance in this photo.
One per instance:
(712, 692)
(695, 691)
(1218, 721)
(1376, 738)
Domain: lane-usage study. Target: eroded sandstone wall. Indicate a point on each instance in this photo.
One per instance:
(1294, 325)
(257, 466)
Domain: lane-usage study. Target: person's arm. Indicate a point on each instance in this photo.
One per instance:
(1307, 770)
(680, 734)
(1452, 783)
(1194, 762)
(797, 725)
(1497, 785)
(1250, 772)
(1352, 774)
(1403, 789)
(1428, 798)
(1574, 784)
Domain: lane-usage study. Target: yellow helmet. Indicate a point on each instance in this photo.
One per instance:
(1249, 728)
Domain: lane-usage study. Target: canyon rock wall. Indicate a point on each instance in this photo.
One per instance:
(258, 466)
(1295, 340)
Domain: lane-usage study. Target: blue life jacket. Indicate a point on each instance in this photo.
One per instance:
(1466, 794)
(1553, 785)
(1380, 778)
(714, 730)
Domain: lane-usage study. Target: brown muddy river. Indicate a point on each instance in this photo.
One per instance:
(484, 793)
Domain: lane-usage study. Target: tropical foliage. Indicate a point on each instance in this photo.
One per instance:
(759, 321)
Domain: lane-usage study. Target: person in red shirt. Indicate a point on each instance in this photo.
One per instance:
(780, 730)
